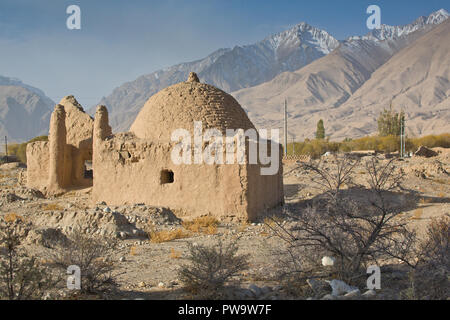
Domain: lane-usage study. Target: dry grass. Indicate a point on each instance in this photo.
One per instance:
(440, 181)
(133, 250)
(175, 254)
(52, 207)
(206, 225)
(273, 221)
(243, 225)
(441, 195)
(11, 217)
(167, 235)
(425, 201)
(417, 214)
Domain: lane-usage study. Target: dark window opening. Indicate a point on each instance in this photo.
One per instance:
(166, 176)
(88, 173)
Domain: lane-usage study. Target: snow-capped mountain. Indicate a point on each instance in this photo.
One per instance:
(340, 87)
(24, 110)
(228, 69)
(394, 32)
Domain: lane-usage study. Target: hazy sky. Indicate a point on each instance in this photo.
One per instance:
(121, 40)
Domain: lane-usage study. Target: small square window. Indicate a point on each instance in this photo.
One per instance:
(166, 176)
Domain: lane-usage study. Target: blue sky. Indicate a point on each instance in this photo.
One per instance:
(121, 40)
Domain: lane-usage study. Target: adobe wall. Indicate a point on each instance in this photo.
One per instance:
(127, 170)
(264, 191)
(79, 130)
(58, 165)
(37, 164)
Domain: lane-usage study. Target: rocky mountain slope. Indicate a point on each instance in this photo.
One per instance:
(329, 87)
(24, 110)
(416, 79)
(228, 69)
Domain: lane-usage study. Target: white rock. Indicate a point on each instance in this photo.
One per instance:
(161, 285)
(370, 293)
(339, 287)
(328, 261)
(107, 210)
(353, 294)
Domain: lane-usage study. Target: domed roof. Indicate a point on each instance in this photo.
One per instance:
(178, 106)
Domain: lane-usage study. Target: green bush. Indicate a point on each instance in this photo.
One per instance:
(391, 143)
(20, 149)
(389, 122)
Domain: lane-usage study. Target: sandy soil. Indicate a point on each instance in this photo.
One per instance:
(149, 270)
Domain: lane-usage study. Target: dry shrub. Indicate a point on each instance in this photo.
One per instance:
(355, 231)
(429, 278)
(12, 217)
(21, 277)
(52, 207)
(90, 254)
(210, 267)
(206, 225)
(167, 235)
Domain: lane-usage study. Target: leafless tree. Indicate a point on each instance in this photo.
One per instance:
(355, 231)
(90, 254)
(211, 267)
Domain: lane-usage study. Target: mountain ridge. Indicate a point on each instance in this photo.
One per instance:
(24, 110)
(314, 91)
(250, 64)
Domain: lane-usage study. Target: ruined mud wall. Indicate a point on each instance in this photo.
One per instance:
(129, 170)
(264, 191)
(79, 128)
(37, 164)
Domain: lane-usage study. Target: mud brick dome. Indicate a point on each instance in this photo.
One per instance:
(178, 106)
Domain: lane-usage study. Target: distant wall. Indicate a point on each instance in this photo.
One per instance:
(37, 164)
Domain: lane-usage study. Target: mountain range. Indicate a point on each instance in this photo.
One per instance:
(406, 66)
(227, 69)
(344, 82)
(24, 110)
